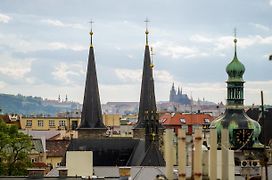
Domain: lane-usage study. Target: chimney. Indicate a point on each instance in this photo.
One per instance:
(168, 153)
(63, 172)
(213, 153)
(124, 173)
(181, 154)
(197, 155)
(34, 173)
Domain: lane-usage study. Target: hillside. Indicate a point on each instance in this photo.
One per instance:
(29, 105)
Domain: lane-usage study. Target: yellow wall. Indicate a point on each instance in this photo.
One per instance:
(108, 119)
(66, 122)
(53, 160)
(111, 119)
(79, 163)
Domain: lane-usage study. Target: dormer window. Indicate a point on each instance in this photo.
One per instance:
(182, 120)
(206, 120)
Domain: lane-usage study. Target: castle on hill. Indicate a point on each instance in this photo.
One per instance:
(178, 97)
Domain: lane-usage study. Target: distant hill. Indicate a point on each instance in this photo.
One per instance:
(29, 105)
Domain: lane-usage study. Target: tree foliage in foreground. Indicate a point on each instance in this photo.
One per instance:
(14, 149)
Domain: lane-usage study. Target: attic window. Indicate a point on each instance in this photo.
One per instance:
(206, 120)
(182, 120)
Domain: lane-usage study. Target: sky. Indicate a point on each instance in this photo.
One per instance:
(44, 47)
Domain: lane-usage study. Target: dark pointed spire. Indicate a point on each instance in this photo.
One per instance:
(147, 99)
(91, 117)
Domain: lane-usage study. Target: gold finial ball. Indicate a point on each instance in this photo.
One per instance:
(91, 33)
(146, 32)
(235, 40)
(152, 65)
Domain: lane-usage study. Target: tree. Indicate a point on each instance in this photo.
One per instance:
(14, 149)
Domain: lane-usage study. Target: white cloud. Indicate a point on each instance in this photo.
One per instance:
(224, 42)
(64, 72)
(174, 50)
(260, 26)
(135, 75)
(22, 44)
(2, 85)
(4, 18)
(14, 68)
(270, 2)
(129, 75)
(58, 23)
(200, 38)
(163, 76)
(60, 45)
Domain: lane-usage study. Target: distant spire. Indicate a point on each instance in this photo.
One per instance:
(146, 31)
(59, 98)
(91, 33)
(66, 98)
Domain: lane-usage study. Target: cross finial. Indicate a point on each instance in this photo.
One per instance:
(91, 32)
(146, 31)
(146, 23)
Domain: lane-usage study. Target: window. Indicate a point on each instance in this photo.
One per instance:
(206, 120)
(29, 123)
(51, 123)
(33, 160)
(40, 123)
(62, 123)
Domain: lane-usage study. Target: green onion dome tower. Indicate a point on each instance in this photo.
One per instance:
(243, 131)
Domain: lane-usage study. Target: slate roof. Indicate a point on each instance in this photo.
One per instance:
(39, 134)
(37, 145)
(118, 152)
(56, 148)
(266, 124)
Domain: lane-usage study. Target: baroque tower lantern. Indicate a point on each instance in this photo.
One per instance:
(243, 131)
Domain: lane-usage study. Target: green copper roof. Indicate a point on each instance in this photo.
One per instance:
(235, 68)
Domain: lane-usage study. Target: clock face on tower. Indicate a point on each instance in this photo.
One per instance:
(242, 138)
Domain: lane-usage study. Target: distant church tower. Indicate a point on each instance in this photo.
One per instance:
(178, 97)
(243, 131)
(91, 125)
(172, 94)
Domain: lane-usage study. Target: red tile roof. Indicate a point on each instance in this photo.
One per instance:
(189, 119)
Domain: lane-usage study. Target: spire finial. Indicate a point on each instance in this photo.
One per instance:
(152, 55)
(91, 33)
(235, 40)
(146, 31)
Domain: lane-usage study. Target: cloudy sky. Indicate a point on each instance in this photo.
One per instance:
(44, 46)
